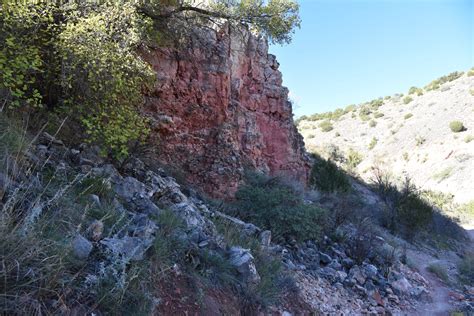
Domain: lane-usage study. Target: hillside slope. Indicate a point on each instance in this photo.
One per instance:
(408, 135)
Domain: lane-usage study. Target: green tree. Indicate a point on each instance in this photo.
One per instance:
(274, 19)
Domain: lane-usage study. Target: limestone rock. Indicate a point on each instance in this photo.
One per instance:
(243, 260)
(129, 248)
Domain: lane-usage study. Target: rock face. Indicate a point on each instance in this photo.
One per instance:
(219, 107)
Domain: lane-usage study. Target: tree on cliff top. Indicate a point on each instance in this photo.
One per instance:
(274, 19)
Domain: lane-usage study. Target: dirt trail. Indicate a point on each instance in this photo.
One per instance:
(439, 292)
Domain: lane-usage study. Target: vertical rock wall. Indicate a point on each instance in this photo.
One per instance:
(219, 107)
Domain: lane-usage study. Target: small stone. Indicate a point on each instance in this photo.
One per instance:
(95, 200)
(324, 258)
(335, 265)
(96, 230)
(370, 271)
(347, 263)
(378, 298)
(341, 276)
(359, 289)
(357, 274)
(203, 244)
(81, 247)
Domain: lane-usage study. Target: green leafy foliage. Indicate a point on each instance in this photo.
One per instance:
(275, 19)
(25, 32)
(80, 60)
(104, 75)
(327, 177)
(276, 206)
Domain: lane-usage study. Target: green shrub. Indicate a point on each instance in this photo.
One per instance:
(406, 212)
(273, 205)
(435, 84)
(466, 268)
(364, 113)
(372, 143)
(456, 126)
(471, 92)
(407, 116)
(372, 123)
(376, 103)
(415, 90)
(326, 126)
(407, 99)
(439, 271)
(353, 159)
(443, 174)
(420, 140)
(327, 177)
(470, 73)
(378, 115)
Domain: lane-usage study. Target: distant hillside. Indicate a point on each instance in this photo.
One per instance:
(414, 134)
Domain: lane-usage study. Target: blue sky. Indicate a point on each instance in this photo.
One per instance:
(351, 51)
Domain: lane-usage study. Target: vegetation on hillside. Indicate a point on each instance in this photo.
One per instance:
(278, 206)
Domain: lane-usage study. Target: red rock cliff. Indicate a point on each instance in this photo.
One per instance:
(219, 107)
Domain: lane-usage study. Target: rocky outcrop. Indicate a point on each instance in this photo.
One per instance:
(219, 107)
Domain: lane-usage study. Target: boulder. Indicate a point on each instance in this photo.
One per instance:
(243, 261)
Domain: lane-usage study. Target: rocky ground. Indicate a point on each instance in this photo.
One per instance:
(348, 273)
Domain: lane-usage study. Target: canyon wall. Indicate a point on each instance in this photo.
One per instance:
(219, 108)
